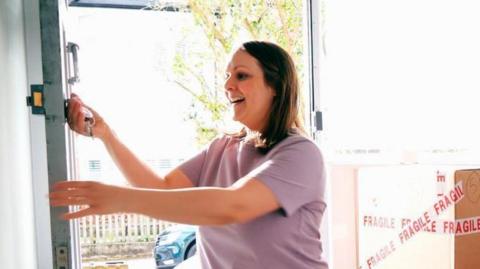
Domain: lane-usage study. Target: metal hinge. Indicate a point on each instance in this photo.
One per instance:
(317, 121)
(37, 99)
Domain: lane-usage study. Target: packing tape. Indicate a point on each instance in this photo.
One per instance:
(416, 226)
(458, 227)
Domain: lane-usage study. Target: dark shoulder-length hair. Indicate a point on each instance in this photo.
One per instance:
(280, 74)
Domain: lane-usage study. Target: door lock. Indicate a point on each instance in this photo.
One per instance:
(62, 258)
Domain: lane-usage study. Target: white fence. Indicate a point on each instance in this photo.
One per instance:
(119, 228)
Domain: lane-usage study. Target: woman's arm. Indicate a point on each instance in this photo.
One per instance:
(245, 200)
(135, 171)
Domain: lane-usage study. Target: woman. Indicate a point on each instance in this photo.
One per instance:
(257, 195)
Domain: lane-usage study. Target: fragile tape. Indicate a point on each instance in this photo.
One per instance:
(415, 226)
(457, 227)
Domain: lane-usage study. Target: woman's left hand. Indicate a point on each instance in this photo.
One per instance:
(94, 198)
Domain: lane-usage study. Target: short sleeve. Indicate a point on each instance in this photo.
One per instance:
(294, 173)
(193, 167)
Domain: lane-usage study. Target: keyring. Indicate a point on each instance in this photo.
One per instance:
(89, 122)
(89, 128)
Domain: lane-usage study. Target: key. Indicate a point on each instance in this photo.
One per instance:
(89, 121)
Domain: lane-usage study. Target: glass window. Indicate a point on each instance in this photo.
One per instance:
(400, 82)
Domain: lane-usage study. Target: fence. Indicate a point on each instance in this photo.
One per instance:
(119, 228)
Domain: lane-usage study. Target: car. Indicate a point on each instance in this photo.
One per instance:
(174, 245)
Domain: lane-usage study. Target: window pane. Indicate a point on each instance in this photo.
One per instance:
(126, 75)
(401, 82)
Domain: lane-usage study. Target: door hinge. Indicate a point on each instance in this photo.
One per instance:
(37, 99)
(317, 121)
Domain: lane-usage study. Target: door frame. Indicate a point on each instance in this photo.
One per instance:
(52, 143)
(57, 145)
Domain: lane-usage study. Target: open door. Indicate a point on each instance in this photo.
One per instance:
(118, 41)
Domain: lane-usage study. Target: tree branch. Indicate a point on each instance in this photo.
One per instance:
(196, 9)
(283, 20)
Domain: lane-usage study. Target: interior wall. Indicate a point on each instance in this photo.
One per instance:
(17, 244)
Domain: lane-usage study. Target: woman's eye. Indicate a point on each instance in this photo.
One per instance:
(227, 76)
(241, 76)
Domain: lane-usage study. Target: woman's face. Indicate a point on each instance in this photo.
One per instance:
(247, 91)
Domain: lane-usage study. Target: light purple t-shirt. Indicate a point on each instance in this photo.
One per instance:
(288, 238)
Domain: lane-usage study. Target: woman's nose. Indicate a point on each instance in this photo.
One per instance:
(228, 85)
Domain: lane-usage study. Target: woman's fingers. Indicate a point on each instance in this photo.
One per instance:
(65, 195)
(73, 193)
(70, 193)
(77, 114)
(78, 214)
(99, 198)
(73, 184)
(80, 121)
(73, 114)
(73, 105)
(71, 201)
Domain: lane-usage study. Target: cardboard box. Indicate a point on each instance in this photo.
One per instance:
(395, 203)
(467, 247)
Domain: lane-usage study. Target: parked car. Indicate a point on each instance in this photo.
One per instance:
(174, 245)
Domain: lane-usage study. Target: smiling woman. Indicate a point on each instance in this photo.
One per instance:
(249, 94)
(244, 190)
(272, 109)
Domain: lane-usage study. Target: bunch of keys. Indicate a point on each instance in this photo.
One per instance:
(89, 121)
(89, 118)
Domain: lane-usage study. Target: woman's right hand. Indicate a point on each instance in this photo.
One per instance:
(78, 114)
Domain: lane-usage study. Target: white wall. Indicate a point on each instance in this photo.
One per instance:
(17, 237)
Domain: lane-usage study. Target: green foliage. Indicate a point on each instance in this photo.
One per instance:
(224, 24)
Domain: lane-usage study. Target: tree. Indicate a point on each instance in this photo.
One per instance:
(225, 23)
